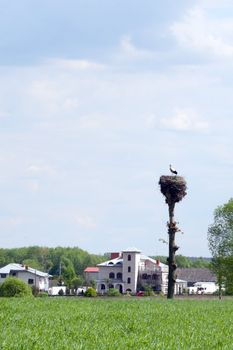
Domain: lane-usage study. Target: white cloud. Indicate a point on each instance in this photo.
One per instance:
(184, 120)
(129, 50)
(205, 34)
(74, 64)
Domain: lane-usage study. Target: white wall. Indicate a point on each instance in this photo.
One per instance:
(41, 282)
(104, 271)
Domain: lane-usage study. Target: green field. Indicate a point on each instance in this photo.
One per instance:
(109, 324)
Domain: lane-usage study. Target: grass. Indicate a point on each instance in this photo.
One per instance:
(114, 324)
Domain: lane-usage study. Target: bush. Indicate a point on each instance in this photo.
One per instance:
(14, 287)
(148, 291)
(90, 292)
(61, 292)
(113, 292)
(35, 291)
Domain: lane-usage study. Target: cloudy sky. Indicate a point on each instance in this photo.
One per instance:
(97, 98)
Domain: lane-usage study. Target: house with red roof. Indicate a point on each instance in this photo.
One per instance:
(128, 271)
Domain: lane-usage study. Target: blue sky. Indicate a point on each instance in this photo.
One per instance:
(97, 98)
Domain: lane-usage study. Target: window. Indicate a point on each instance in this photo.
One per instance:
(129, 257)
(30, 281)
(112, 275)
(128, 280)
(13, 274)
(144, 276)
(129, 268)
(102, 286)
(3, 275)
(119, 275)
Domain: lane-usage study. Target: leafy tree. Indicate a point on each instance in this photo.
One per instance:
(77, 282)
(220, 239)
(68, 272)
(14, 287)
(33, 263)
(182, 261)
(200, 262)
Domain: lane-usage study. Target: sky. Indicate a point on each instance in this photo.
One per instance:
(97, 98)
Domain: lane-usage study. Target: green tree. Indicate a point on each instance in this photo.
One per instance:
(183, 261)
(33, 263)
(220, 239)
(68, 272)
(77, 282)
(14, 287)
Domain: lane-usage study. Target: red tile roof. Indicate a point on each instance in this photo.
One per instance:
(91, 269)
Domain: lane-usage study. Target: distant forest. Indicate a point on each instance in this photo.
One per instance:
(55, 261)
(183, 261)
(60, 260)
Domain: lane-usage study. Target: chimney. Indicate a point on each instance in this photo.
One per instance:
(114, 255)
(157, 262)
(26, 267)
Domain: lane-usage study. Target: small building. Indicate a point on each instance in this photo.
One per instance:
(25, 273)
(199, 280)
(196, 274)
(91, 274)
(180, 286)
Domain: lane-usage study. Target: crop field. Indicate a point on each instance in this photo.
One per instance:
(114, 324)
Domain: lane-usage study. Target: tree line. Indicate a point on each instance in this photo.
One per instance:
(184, 261)
(61, 262)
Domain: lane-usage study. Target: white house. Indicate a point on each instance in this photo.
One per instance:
(206, 287)
(129, 271)
(30, 276)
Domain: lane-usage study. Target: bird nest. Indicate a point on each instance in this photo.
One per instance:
(173, 188)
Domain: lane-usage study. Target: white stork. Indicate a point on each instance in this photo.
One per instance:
(173, 171)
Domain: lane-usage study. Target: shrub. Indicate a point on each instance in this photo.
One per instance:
(90, 292)
(61, 292)
(148, 291)
(113, 292)
(14, 287)
(35, 291)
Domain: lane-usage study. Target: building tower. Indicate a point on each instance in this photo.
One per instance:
(131, 259)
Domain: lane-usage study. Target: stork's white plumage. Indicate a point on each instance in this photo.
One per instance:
(173, 171)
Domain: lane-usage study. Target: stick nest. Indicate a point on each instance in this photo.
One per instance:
(173, 188)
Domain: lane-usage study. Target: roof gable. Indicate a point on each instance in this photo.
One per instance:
(22, 268)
